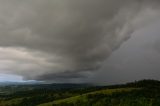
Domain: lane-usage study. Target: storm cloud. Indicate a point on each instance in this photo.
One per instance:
(48, 39)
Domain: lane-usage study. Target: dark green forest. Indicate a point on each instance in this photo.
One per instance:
(138, 93)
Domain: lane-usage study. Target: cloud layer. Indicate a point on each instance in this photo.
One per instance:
(47, 39)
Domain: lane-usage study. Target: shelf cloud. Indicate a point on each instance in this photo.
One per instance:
(48, 39)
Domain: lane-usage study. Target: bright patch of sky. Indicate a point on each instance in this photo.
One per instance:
(13, 78)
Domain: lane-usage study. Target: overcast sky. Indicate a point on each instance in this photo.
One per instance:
(99, 41)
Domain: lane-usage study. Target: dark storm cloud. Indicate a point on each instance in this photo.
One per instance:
(62, 76)
(138, 58)
(42, 38)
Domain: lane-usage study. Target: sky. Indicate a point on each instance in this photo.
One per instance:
(98, 41)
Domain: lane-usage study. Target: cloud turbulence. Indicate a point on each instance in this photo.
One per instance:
(51, 39)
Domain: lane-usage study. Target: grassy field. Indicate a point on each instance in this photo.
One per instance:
(138, 93)
(83, 97)
(10, 102)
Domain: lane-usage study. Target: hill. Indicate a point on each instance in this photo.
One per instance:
(84, 98)
(138, 93)
(144, 93)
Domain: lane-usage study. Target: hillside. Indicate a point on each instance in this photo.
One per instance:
(84, 97)
(138, 93)
(145, 93)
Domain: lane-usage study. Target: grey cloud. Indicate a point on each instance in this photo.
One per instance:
(53, 36)
(62, 76)
(138, 58)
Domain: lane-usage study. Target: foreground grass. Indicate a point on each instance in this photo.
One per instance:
(139, 93)
(83, 97)
(10, 102)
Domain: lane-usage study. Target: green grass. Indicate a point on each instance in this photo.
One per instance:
(141, 93)
(83, 97)
(10, 102)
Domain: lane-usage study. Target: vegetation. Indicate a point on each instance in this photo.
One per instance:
(138, 93)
